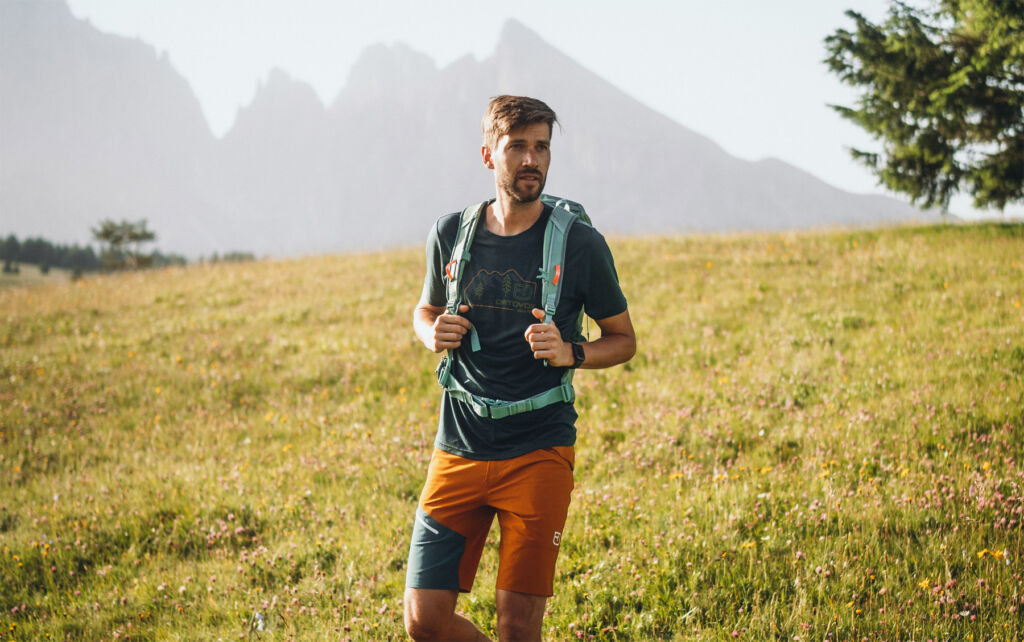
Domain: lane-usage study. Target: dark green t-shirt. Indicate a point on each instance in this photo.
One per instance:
(501, 286)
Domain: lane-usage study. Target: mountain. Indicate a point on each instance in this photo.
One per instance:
(269, 173)
(93, 126)
(98, 126)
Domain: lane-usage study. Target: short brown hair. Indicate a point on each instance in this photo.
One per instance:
(505, 113)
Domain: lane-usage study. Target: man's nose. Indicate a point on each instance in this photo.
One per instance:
(530, 158)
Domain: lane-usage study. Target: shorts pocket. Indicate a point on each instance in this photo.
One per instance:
(564, 453)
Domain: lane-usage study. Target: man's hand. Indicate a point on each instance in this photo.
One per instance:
(546, 342)
(439, 330)
(616, 345)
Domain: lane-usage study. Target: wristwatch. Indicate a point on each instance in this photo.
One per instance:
(578, 355)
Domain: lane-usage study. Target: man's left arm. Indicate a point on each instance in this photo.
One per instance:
(616, 345)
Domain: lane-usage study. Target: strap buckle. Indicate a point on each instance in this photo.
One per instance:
(443, 371)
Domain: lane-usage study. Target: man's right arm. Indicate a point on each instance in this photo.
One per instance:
(437, 329)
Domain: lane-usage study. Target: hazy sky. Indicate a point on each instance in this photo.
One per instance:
(746, 73)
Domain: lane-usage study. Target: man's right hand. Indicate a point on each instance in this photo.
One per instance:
(446, 331)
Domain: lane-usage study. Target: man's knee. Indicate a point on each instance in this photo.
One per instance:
(422, 625)
(420, 629)
(428, 613)
(519, 631)
(520, 616)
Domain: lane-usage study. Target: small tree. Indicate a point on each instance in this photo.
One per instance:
(136, 234)
(110, 236)
(943, 90)
(122, 243)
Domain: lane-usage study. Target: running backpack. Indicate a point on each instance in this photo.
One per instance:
(556, 235)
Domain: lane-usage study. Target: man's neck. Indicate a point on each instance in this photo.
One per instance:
(506, 217)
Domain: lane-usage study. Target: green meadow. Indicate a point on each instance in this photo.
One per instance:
(820, 438)
(29, 274)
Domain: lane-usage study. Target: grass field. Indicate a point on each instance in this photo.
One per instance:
(821, 438)
(29, 274)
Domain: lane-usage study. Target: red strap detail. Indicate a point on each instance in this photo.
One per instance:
(558, 274)
(448, 269)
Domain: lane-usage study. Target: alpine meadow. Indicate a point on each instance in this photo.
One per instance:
(821, 438)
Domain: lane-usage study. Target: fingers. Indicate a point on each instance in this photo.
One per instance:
(545, 340)
(538, 332)
(448, 339)
(538, 314)
(544, 351)
(441, 344)
(449, 330)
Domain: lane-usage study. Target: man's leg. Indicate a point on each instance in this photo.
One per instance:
(430, 615)
(520, 616)
(443, 555)
(532, 496)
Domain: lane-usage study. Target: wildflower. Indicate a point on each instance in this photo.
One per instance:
(993, 554)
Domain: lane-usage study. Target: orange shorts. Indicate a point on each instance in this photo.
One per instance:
(530, 496)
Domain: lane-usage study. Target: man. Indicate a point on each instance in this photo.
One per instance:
(517, 467)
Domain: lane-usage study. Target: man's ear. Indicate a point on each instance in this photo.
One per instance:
(485, 155)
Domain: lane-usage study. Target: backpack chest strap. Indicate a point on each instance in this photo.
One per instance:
(499, 409)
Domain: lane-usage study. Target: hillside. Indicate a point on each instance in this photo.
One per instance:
(821, 436)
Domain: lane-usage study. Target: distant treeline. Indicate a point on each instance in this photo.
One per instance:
(46, 255)
(76, 258)
(230, 257)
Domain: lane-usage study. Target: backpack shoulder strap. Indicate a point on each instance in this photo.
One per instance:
(460, 255)
(556, 237)
(453, 277)
(557, 202)
(456, 265)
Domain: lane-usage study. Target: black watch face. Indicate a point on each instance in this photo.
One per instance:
(577, 353)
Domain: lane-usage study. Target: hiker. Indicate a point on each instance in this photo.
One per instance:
(506, 282)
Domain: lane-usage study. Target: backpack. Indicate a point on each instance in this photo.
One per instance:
(556, 236)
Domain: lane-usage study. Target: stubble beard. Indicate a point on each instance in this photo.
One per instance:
(508, 185)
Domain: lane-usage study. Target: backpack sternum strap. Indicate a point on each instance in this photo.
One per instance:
(499, 409)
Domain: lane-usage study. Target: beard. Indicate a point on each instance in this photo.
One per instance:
(522, 194)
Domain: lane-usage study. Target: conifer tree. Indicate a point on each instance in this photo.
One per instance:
(942, 89)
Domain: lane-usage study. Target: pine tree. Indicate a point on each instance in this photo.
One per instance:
(943, 90)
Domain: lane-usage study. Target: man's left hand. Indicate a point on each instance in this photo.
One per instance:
(546, 342)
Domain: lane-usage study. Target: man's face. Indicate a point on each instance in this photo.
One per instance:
(520, 161)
